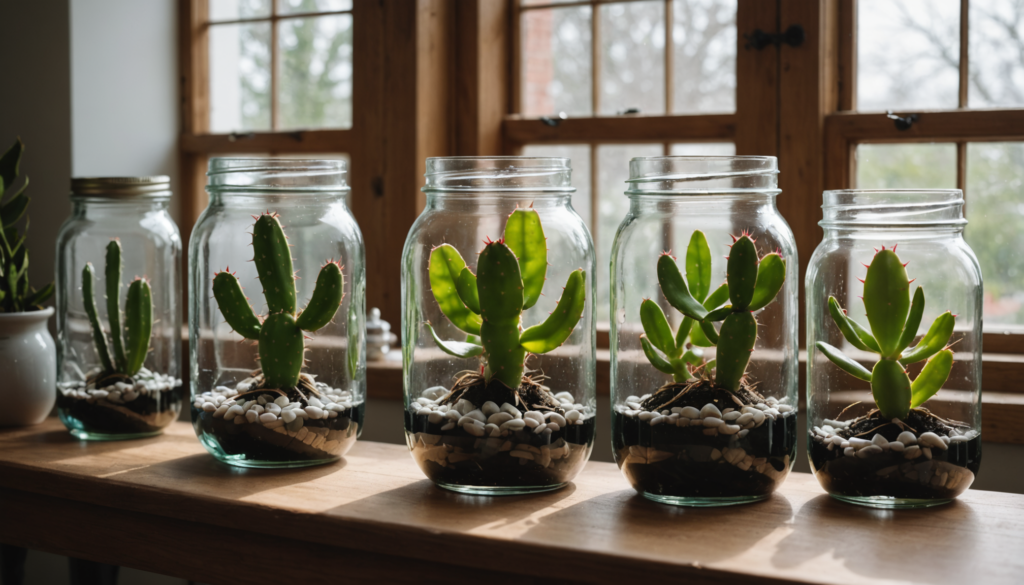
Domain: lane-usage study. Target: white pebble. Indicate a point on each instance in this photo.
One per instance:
(434, 392)
(288, 415)
(658, 420)
(690, 412)
(912, 452)
(540, 429)
(220, 411)
(509, 408)
(728, 429)
(477, 414)
(492, 430)
(476, 428)
(129, 396)
(498, 418)
(268, 417)
(490, 408)
(907, 438)
(734, 415)
(516, 424)
(554, 427)
(272, 407)
(930, 439)
(646, 415)
(785, 408)
(758, 417)
(534, 415)
(557, 419)
(313, 412)
(880, 441)
(896, 446)
(869, 451)
(251, 416)
(283, 401)
(710, 410)
(711, 421)
(209, 407)
(433, 418)
(572, 416)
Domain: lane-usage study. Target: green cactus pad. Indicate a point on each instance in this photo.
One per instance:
(113, 282)
(327, 295)
(445, 266)
(458, 349)
(659, 361)
(499, 283)
(862, 340)
(716, 298)
(553, 332)
(281, 351)
(741, 273)
(698, 266)
(98, 337)
(683, 332)
(234, 306)
(913, 321)
(933, 341)
(735, 343)
(890, 386)
(138, 325)
(525, 237)
(675, 290)
(887, 300)
(932, 377)
(707, 329)
(771, 273)
(273, 259)
(848, 365)
(657, 329)
(719, 314)
(465, 284)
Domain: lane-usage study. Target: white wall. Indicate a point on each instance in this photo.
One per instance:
(35, 103)
(124, 88)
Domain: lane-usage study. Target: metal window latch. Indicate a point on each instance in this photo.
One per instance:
(793, 36)
(553, 121)
(236, 136)
(902, 122)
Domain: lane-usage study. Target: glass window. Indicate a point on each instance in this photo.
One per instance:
(240, 77)
(315, 90)
(908, 54)
(221, 10)
(633, 57)
(555, 61)
(996, 42)
(308, 6)
(579, 154)
(906, 166)
(704, 56)
(995, 228)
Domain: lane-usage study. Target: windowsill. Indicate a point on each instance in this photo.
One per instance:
(375, 517)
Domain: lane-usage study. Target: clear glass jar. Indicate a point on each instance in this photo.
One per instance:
(295, 412)
(118, 257)
(484, 423)
(875, 437)
(693, 423)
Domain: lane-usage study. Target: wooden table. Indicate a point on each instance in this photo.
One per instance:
(165, 505)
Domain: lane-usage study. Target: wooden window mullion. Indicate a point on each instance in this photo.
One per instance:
(274, 66)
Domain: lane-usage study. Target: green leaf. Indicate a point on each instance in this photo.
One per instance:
(707, 328)
(839, 358)
(445, 265)
(560, 323)
(933, 342)
(40, 296)
(741, 273)
(718, 297)
(326, 299)
(657, 328)
(859, 339)
(698, 266)
(235, 307)
(465, 284)
(887, 300)
(931, 378)
(890, 386)
(683, 332)
(525, 237)
(719, 314)
(458, 349)
(771, 273)
(913, 321)
(675, 290)
(9, 163)
(659, 361)
(13, 210)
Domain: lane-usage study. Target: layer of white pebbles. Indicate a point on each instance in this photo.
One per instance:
(273, 412)
(146, 383)
(493, 420)
(729, 421)
(909, 444)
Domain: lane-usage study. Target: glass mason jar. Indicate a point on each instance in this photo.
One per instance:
(119, 309)
(278, 378)
(893, 289)
(694, 422)
(499, 396)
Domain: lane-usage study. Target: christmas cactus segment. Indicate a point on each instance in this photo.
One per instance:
(709, 435)
(499, 426)
(894, 320)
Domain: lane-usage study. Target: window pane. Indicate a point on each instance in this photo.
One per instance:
(301, 6)
(556, 72)
(579, 154)
(633, 57)
(612, 172)
(906, 166)
(996, 53)
(240, 77)
(237, 9)
(315, 89)
(995, 228)
(908, 54)
(704, 149)
(704, 58)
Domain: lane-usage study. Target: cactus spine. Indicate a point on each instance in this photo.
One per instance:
(751, 284)
(131, 349)
(489, 305)
(894, 320)
(280, 338)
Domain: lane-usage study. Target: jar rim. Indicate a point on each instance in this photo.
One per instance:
(914, 207)
(275, 174)
(703, 175)
(142, 187)
(498, 174)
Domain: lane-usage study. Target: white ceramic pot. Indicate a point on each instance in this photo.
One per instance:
(28, 368)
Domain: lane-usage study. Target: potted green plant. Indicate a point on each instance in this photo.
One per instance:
(499, 425)
(898, 448)
(708, 437)
(280, 416)
(28, 356)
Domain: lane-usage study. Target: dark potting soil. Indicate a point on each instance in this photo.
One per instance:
(258, 443)
(666, 460)
(890, 473)
(149, 413)
(456, 457)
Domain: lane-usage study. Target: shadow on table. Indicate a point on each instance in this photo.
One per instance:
(631, 524)
(60, 444)
(858, 537)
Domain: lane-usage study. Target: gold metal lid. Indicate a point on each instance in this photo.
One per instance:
(119, 187)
